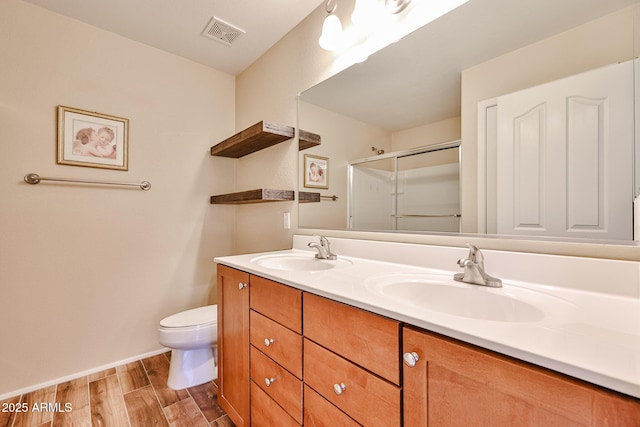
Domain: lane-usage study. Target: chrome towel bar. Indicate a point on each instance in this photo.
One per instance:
(34, 178)
(430, 216)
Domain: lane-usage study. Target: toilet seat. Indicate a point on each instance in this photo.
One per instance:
(196, 317)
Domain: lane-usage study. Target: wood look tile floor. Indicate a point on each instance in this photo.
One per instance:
(131, 395)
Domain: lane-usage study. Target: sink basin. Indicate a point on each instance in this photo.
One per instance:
(442, 294)
(298, 262)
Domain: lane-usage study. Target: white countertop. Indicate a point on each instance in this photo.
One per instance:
(589, 335)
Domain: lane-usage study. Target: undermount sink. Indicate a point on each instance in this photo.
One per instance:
(442, 294)
(298, 262)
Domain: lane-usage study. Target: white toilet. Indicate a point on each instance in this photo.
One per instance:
(192, 336)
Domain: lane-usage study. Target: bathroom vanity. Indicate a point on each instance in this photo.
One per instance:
(311, 342)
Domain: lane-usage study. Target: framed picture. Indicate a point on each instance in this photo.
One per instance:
(316, 171)
(92, 139)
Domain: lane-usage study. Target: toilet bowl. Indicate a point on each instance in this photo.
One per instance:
(192, 336)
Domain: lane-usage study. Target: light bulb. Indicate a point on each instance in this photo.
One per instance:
(330, 38)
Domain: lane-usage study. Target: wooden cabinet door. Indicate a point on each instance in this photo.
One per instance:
(455, 384)
(233, 344)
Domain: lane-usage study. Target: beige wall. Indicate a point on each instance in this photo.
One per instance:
(344, 139)
(429, 134)
(268, 90)
(86, 273)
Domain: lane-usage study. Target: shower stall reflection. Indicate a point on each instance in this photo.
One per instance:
(415, 190)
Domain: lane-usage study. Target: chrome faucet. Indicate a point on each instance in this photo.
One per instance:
(323, 248)
(474, 270)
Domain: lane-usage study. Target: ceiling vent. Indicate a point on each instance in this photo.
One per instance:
(221, 31)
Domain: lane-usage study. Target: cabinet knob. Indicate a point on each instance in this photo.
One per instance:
(242, 285)
(268, 342)
(339, 388)
(410, 359)
(269, 381)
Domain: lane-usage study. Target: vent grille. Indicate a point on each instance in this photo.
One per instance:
(222, 31)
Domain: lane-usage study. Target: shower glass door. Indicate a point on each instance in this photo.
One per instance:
(416, 190)
(428, 191)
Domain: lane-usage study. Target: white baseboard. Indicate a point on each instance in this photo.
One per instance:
(81, 374)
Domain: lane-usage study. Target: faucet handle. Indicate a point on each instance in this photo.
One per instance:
(475, 255)
(324, 242)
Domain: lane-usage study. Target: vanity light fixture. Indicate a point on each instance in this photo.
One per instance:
(368, 17)
(368, 12)
(396, 6)
(331, 36)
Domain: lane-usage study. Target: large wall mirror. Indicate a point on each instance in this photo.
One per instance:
(537, 98)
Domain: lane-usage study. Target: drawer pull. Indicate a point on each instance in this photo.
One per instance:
(269, 381)
(410, 359)
(268, 342)
(242, 285)
(339, 388)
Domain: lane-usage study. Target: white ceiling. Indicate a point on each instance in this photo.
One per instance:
(176, 26)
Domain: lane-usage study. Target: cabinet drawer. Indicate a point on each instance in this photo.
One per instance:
(267, 413)
(285, 389)
(278, 302)
(285, 346)
(370, 340)
(368, 399)
(318, 412)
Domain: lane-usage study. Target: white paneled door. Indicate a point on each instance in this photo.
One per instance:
(564, 157)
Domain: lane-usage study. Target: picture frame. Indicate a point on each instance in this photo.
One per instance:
(91, 139)
(316, 171)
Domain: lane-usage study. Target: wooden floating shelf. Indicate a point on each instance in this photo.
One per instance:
(253, 196)
(308, 197)
(254, 138)
(307, 140)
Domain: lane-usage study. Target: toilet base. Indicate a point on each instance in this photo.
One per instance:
(192, 367)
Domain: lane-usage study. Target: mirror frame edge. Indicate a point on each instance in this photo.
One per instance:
(620, 252)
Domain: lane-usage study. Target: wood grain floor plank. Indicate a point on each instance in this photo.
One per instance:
(7, 417)
(39, 411)
(144, 409)
(73, 398)
(224, 421)
(107, 403)
(185, 414)
(157, 368)
(206, 397)
(132, 376)
(101, 374)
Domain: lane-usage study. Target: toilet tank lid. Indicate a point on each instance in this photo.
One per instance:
(195, 317)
